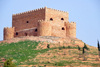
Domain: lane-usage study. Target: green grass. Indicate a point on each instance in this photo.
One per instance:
(20, 51)
(73, 63)
(68, 47)
(89, 63)
(64, 63)
(95, 52)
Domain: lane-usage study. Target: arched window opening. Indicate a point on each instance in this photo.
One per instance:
(62, 18)
(63, 28)
(27, 21)
(51, 19)
(16, 33)
(36, 30)
(25, 34)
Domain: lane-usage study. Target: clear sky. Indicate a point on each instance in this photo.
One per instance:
(86, 13)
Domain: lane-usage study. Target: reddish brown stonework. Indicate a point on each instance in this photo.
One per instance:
(41, 22)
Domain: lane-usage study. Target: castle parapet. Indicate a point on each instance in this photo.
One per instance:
(38, 10)
(9, 33)
(28, 11)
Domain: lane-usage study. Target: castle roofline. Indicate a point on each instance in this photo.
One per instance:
(38, 10)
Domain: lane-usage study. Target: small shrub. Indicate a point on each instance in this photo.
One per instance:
(69, 47)
(98, 48)
(8, 63)
(86, 47)
(45, 65)
(79, 48)
(40, 66)
(63, 47)
(55, 64)
(83, 50)
(48, 62)
(60, 48)
(48, 46)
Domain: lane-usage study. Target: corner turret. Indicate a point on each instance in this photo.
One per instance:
(9, 33)
(44, 28)
(71, 29)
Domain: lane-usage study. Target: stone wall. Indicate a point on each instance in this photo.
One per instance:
(58, 16)
(28, 19)
(26, 32)
(59, 31)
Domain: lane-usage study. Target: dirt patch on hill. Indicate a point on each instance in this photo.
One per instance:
(48, 39)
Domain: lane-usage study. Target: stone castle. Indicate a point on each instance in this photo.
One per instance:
(41, 22)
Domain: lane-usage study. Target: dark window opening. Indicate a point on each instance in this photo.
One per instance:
(63, 28)
(16, 33)
(27, 21)
(62, 18)
(25, 34)
(51, 19)
(36, 30)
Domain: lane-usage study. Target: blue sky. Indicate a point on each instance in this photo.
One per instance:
(86, 13)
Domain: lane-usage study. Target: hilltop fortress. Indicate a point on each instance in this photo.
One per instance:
(41, 22)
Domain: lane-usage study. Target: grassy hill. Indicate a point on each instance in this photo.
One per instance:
(29, 53)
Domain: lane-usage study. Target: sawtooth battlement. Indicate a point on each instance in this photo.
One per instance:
(41, 22)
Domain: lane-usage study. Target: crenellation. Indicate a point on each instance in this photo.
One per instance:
(73, 23)
(9, 27)
(28, 11)
(57, 10)
(38, 10)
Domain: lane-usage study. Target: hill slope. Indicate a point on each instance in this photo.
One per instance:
(32, 53)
